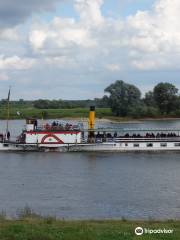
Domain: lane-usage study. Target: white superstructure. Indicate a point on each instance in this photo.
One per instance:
(66, 137)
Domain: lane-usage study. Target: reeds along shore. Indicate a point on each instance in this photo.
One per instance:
(31, 226)
(51, 229)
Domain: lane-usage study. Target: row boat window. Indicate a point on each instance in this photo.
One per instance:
(126, 144)
(149, 145)
(136, 145)
(177, 144)
(163, 144)
(6, 145)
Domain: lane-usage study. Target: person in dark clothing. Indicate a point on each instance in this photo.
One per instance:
(35, 124)
(53, 124)
(115, 134)
(8, 135)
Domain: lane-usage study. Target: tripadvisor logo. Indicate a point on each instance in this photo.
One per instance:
(140, 231)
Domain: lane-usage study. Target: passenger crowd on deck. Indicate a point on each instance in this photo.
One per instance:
(59, 126)
(127, 135)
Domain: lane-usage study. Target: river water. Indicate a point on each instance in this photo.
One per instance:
(92, 185)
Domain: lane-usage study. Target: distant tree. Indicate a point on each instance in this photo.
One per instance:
(54, 104)
(149, 99)
(41, 104)
(3, 101)
(102, 102)
(152, 112)
(165, 96)
(137, 111)
(123, 97)
(21, 101)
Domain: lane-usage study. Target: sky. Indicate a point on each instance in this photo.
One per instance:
(74, 49)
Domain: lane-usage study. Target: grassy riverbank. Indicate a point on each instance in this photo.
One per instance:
(52, 229)
(53, 113)
(101, 113)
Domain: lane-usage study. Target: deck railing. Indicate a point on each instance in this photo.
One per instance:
(131, 139)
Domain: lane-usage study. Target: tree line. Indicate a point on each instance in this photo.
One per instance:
(68, 104)
(56, 104)
(125, 100)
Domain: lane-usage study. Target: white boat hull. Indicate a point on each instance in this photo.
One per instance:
(120, 147)
(134, 146)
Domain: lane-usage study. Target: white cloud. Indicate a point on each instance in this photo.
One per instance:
(60, 34)
(89, 11)
(61, 62)
(146, 39)
(9, 34)
(88, 40)
(114, 67)
(37, 38)
(96, 47)
(149, 64)
(15, 62)
(4, 77)
(154, 35)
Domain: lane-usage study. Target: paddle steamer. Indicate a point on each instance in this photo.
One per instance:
(72, 138)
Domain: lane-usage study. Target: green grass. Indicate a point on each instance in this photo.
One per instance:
(29, 111)
(52, 229)
(31, 226)
(53, 113)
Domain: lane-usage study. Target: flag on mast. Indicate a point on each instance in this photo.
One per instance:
(9, 93)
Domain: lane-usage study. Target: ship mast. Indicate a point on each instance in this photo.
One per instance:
(8, 110)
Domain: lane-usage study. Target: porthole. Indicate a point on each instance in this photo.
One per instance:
(177, 144)
(149, 145)
(5, 145)
(163, 144)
